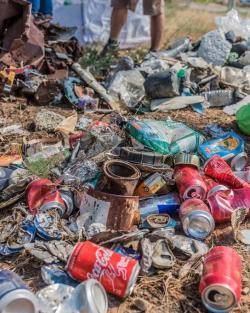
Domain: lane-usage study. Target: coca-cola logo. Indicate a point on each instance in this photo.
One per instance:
(102, 260)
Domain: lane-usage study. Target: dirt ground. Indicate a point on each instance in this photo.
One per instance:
(165, 292)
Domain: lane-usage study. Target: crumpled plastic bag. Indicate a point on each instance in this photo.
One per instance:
(232, 21)
(128, 86)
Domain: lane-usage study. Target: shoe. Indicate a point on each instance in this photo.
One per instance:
(111, 47)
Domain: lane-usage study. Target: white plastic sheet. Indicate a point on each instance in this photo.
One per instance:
(92, 18)
(232, 21)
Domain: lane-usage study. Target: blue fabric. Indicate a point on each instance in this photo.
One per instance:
(42, 6)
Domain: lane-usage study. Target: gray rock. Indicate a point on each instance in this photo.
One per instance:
(214, 48)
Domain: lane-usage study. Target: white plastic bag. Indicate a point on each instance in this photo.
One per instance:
(92, 18)
(232, 21)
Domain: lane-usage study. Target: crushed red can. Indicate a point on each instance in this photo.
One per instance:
(189, 182)
(43, 195)
(196, 218)
(223, 202)
(220, 285)
(117, 273)
(218, 169)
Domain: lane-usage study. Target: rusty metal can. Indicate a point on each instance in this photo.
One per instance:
(189, 182)
(117, 273)
(196, 218)
(217, 168)
(220, 285)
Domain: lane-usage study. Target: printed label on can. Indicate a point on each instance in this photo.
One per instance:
(97, 209)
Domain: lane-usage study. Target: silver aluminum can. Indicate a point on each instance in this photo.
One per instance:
(15, 297)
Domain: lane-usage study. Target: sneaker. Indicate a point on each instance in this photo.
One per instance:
(112, 47)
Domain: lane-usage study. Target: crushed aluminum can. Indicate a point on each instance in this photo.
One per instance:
(196, 219)
(229, 146)
(5, 174)
(156, 221)
(223, 202)
(53, 274)
(129, 252)
(190, 183)
(24, 234)
(188, 159)
(51, 298)
(42, 195)
(124, 175)
(217, 168)
(87, 297)
(15, 295)
(67, 196)
(46, 225)
(220, 285)
(165, 204)
(117, 273)
(150, 185)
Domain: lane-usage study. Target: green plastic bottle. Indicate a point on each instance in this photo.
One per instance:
(243, 119)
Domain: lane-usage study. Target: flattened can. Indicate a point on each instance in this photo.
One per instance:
(190, 183)
(196, 218)
(220, 285)
(42, 195)
(15, 297)
(117, 273)
(218, 169)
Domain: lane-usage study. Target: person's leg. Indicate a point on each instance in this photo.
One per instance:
(156, 9)
(35, 6)
(46, 7)
(118, 19)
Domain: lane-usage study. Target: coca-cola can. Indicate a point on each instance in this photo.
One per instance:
(220, 285)
(218, 169)
(117, 273)
(196, 218)
(189, 182)
(42, 195)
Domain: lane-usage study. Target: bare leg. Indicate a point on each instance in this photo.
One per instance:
(118, 19)
(157, 31)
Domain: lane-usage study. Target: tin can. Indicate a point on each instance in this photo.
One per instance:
(190, 183)
(42, 195)
(218, 169)
(5, 174)
(150, 185)
(117, 273)
(165, 204)
(90, 297)
(196, 218)
(220, 285)
(15, 295)
(229, 146)
(222, 203)
(67, 196)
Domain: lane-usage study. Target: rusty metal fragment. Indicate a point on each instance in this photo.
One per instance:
(20, 39)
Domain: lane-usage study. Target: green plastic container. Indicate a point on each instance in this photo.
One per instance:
(243, 119)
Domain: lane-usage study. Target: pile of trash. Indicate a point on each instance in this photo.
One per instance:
(107, 202)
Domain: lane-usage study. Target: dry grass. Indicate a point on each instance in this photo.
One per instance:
(186, 22)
